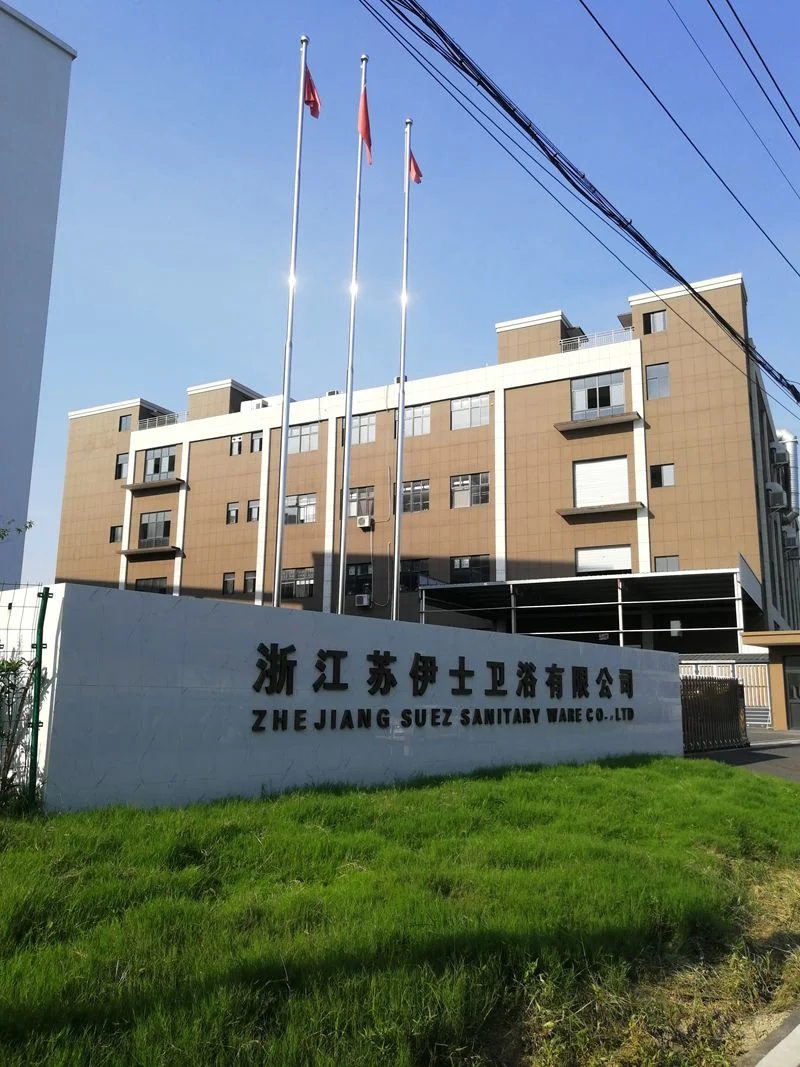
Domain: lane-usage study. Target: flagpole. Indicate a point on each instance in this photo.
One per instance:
(348, 417)
(287, 352)
(401, 395)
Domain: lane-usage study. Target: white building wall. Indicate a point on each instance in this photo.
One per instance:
(34, 87)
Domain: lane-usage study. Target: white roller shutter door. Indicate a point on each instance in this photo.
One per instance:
(609, 558)
(601, 481)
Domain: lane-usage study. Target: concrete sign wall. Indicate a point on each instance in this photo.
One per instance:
(170, 700)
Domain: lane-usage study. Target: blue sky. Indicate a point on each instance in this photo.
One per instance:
(172, 248)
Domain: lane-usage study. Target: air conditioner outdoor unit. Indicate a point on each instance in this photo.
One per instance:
(364, 522)
(363, 600)
(790, 539)
(776, 497)
(793, 553)
(780, 455)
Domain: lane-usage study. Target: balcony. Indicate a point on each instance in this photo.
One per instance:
(158, 547)
(600, 511)
(591, 425)
(594, 340)
(171, 418)
(155, 483)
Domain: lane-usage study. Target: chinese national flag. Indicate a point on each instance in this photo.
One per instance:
(363, 124)
(311, 96)
(413, 169)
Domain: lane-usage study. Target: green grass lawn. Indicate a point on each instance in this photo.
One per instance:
(517, 917)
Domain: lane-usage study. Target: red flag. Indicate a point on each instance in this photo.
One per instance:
(413, 169)
(363, 124)
(311, 96)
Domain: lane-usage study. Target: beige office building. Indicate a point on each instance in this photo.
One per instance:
(628, 486)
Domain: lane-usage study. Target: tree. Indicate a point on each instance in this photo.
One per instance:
(9, 527)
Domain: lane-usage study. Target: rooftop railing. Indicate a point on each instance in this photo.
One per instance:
(593, 340)
(171, 418)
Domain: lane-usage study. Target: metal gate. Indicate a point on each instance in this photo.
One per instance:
(713, 714)
(753, 676)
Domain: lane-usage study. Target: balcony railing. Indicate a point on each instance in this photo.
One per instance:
(171, 418)
(593, 340)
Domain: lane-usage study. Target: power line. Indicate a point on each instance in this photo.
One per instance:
(686, 136)
(436, 37)
(736, 104)
(763, 61)
(756, 78)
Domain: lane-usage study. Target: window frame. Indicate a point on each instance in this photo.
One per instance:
(477, 485)
(232, 513)
(253, 510)
(151, 520)
(257, 441)
(112, 540)
(359, 425)
(416, 496)
(484, 564)
(304, 431)
(668, 569)
(303, 504)
(657, 319)
(293, 578)
(410, 575)
(125, 423)
(121, 466)
(153, 459)
(249, 580)
(657, 480)
(358, 579)
(417, 420)
(660, 381)
(594, 383)
(140, 585)
(229, 583)
(358, 495)
(235, 445)
(471, 405)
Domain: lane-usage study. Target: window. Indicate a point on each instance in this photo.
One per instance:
(414, 573)
(657, 381)
(603, 560)
(363, 429)
(304, 438)
(229, 583)
(416, 495)
(256, 441)
(359, 579)
(667, 563)
(600, 481)
(250, 583)
(252, 510)
(121, 468)
(598, 395)
(300, 508)
(469, 490)
(362, 501)
(236, 444)
(154, 527)
(469, 569)
(159, 464)
(654, 321)
(232, 513)
(469, 411)
(115, 535)
(124, 423)
(151, 585)
(297, 583)
(662, 474)
(417, 420)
